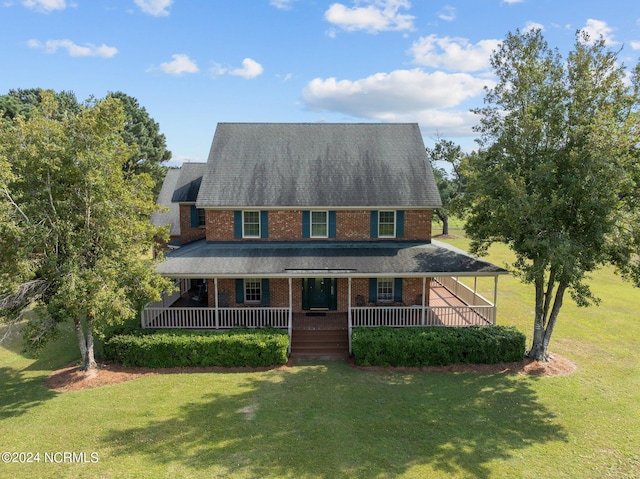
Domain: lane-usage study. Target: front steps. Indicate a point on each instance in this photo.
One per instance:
(320, 344)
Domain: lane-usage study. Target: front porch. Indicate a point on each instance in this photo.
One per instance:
(447, 302)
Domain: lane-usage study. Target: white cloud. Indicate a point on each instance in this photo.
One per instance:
(156, 8)
(281, 4)
(385, 93)
(86, 50)
(45, 6)
(448, 13)
(635, 45)
(529, 26)
(372, 16)
(180, 64)
(250, 69)
(510, 2)
(597, 29)
(453, 53)
(401, 96)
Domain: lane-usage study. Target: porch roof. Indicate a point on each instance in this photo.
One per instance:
(202, 259)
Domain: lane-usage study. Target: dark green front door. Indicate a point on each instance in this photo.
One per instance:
(319, 293)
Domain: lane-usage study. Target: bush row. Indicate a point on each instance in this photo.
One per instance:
(179, 348)
(385, 346)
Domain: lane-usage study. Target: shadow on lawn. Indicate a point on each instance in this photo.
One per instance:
(18, 394)
(329, 420)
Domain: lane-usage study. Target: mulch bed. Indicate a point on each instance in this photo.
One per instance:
(71, 378)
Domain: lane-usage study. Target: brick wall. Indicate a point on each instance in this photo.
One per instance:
(187, 233)
(286, 225)
(279, 290)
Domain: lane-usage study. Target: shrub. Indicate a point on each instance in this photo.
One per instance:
(179, 348)
(385, 346)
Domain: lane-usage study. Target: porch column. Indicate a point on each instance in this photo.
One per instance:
(349, 309)
(216, 312)
(290, 314)
(495, 299)
(424, 294)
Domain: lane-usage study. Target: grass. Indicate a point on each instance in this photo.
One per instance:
(326, 420)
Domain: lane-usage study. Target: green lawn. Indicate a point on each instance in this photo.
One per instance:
(326, 420)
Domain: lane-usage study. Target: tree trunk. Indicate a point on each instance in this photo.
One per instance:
(85, 342)
(444, 217)
(543, 327)
(445, 224)
(537, 351)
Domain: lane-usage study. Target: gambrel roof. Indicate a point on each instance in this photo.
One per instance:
(275, 165)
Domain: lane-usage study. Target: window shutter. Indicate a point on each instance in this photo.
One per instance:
(239, 291)
(306, 224)
(264, 224)
(265, 296)
(397, 290)
(305, 293)
(400, 224)
(373, 290)
(237, 224)
(332, 224)
(194, 216)
(374, 224)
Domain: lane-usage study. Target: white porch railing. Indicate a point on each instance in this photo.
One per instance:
(402, 316)
(206, 318)
(462, 291)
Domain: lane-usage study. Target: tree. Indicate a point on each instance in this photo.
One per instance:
(75, 229)
(450, 185)
(149, 145)
(557, 177)
(141, 132)
(23, 101)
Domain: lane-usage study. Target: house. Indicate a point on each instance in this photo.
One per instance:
(313, 227)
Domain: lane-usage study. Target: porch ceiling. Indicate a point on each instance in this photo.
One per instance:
(203, 259)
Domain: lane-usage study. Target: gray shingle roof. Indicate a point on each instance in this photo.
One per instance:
(337, 259)
(318, 165)
(171, 217)
(188, 183)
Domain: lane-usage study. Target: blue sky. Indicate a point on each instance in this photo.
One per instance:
(193, 63)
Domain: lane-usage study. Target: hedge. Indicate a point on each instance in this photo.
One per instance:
(179, 348)
(385, 346)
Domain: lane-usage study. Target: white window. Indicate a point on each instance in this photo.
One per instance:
(385, 290)
(251, 224)
(252, 290)
(386, 224)
(319, 224)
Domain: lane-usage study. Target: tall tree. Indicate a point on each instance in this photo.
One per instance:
(75, 229)
(557, 178)
(149, 146)
(450, 184)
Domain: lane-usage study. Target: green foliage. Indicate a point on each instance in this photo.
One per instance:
(179, 348)
(557, 176)
(386, 346)
(149, 146)
(74, 226)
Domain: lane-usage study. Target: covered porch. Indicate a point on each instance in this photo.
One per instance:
(281, 285)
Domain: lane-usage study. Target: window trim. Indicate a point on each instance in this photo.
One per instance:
(326, 224)
(395, 217)
(391, 289)
(244, 235)
(202, 217)
(245, 283)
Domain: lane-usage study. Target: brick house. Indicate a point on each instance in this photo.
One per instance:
(311, 227)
